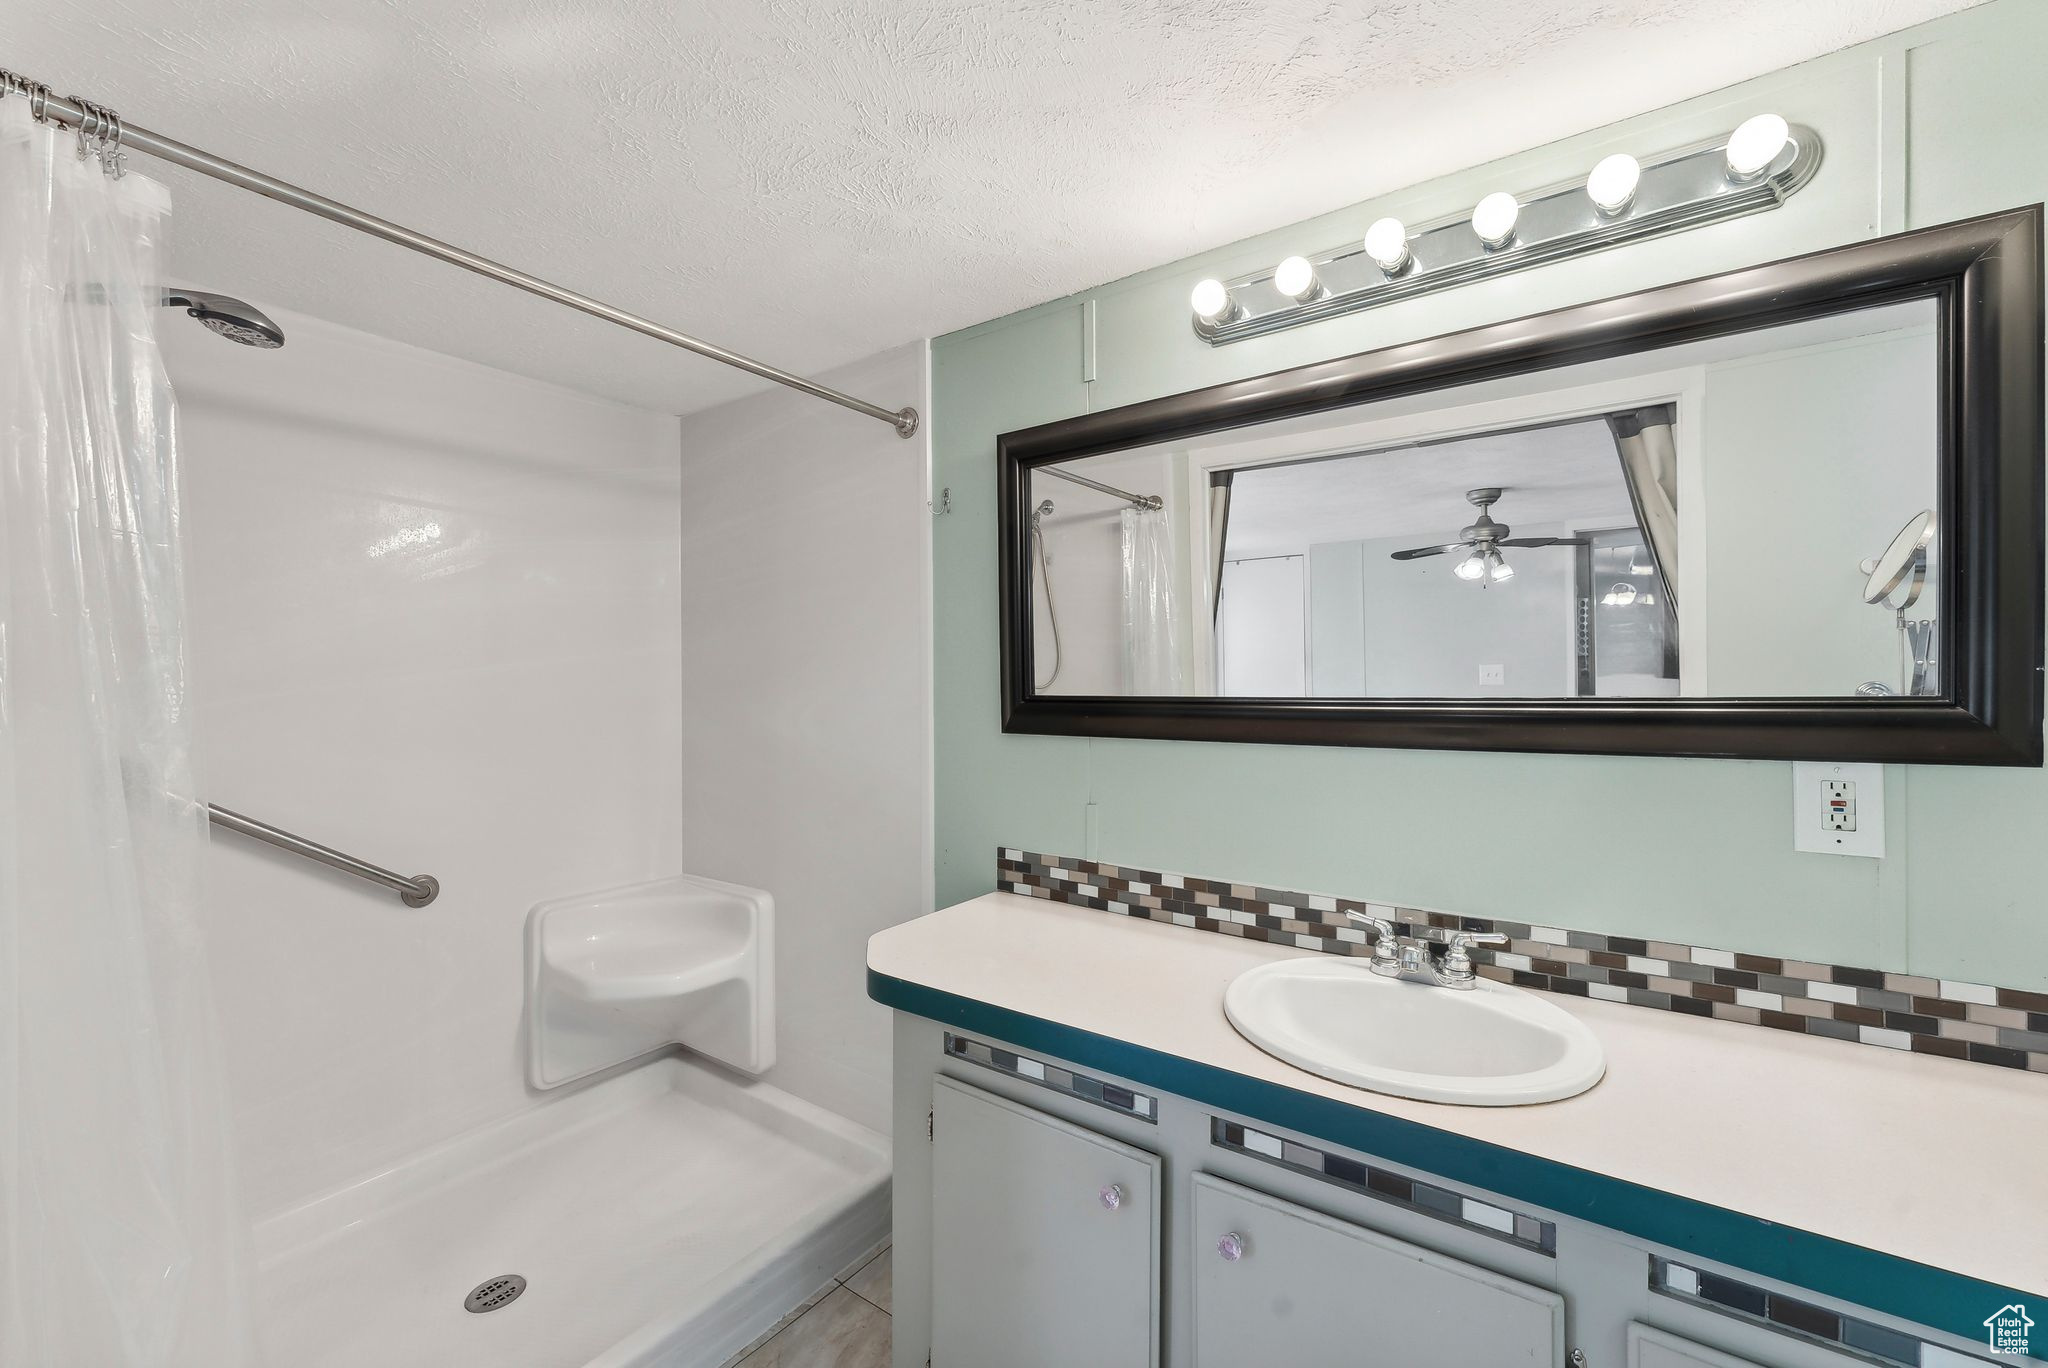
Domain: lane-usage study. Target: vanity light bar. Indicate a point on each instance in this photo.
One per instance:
(1759, 166)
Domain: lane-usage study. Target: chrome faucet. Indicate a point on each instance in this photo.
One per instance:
(1396, 956)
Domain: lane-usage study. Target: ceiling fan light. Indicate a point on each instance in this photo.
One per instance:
(1501, 570)
(1471, 568)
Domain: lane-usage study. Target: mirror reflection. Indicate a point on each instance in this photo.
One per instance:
(1748, 517)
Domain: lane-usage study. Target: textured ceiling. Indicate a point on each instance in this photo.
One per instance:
(814, 180)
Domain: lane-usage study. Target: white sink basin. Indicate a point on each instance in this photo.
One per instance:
(1494, 1046)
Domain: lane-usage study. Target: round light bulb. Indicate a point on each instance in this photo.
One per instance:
(1210, 301)
(1755, 144)
(1501, 569)
(1471, 568)
(1613, 182)
(1494, 218)
(1386, 242)
(1296, 279)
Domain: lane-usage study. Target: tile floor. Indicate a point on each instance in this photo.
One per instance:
(844, 1326)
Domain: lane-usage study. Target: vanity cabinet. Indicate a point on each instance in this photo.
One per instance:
(1275, 1282)
(1056, 1214)
(1045, 1239)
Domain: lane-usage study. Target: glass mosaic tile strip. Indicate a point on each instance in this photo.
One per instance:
(1121, 1100)
(1427, 1199)
(1788, 1315)
(1980, 1023)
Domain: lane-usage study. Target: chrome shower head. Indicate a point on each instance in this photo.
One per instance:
(230, 317)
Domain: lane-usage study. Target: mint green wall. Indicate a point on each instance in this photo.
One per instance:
(1936, 123)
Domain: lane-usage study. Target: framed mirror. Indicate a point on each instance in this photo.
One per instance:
(1789, 512)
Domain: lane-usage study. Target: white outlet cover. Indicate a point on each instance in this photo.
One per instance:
(1493, 676)
(1810, 805)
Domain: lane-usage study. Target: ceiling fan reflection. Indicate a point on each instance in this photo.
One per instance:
(1482, 542)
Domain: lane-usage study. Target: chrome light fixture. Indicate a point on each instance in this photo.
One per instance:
(1296, 279)
(1494, 218)
(1757, 167)
(1612, 186)
(1212, 304)
(1386, 242)
(1755, 144)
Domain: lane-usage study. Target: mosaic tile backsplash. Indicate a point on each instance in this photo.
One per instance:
(2006, 1027)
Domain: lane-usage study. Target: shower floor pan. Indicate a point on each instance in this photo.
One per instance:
(666, 1217)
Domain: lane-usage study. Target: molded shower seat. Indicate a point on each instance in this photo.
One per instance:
(615, 975)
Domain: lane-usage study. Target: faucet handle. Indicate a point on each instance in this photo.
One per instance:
(1386, 946)
(1456, 970)
(1383, 931)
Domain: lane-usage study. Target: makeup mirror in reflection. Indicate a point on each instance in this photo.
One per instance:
(1749, 516)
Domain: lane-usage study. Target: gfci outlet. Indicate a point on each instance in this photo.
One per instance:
(1838, 809)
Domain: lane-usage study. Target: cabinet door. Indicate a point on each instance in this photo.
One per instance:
(1307, 1288)
(1648, 1348)
(1045, 1240)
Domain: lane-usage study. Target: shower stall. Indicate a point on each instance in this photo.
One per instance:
(280, 1095)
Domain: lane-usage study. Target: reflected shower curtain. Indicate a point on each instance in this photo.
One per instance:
(1649, 459)
(121, 1245)
(1151, 636)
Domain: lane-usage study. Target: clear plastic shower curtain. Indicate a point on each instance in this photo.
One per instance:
(121, 1245)
(1152, 664)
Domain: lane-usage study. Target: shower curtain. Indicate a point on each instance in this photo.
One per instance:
(121, 1245)
(1649, 462)
(1151, 637)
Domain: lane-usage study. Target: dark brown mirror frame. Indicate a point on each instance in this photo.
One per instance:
(1985, 276)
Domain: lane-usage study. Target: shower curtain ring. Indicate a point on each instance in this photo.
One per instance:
(88, 124)
(111, 155)
(37, 94)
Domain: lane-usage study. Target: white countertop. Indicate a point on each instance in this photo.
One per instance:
(1935, 1160)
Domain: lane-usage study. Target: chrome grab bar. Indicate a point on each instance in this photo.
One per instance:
(417, 891)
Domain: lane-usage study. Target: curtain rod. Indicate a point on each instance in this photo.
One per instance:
(1152, 501)
(95, 121)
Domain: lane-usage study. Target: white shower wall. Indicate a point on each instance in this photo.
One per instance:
(435, 622)
(806, 718)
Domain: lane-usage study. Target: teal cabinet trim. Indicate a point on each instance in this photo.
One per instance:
(1882, 1282)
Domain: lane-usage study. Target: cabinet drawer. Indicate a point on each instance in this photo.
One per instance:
(1649, 1347)
(1308, 1288)
(1045, 1239)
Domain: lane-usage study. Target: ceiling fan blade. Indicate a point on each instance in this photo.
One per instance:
(1545, 541)
(1415, 552)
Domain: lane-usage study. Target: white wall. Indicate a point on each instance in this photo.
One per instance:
(1815, 458)
(433, 623)
(1262, 628)
(806, 713)
(1428, 633)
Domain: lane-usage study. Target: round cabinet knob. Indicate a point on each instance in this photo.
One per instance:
(1112, 1196)
(1231, 1247)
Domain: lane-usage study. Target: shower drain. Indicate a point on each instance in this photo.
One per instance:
(497, 1292)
